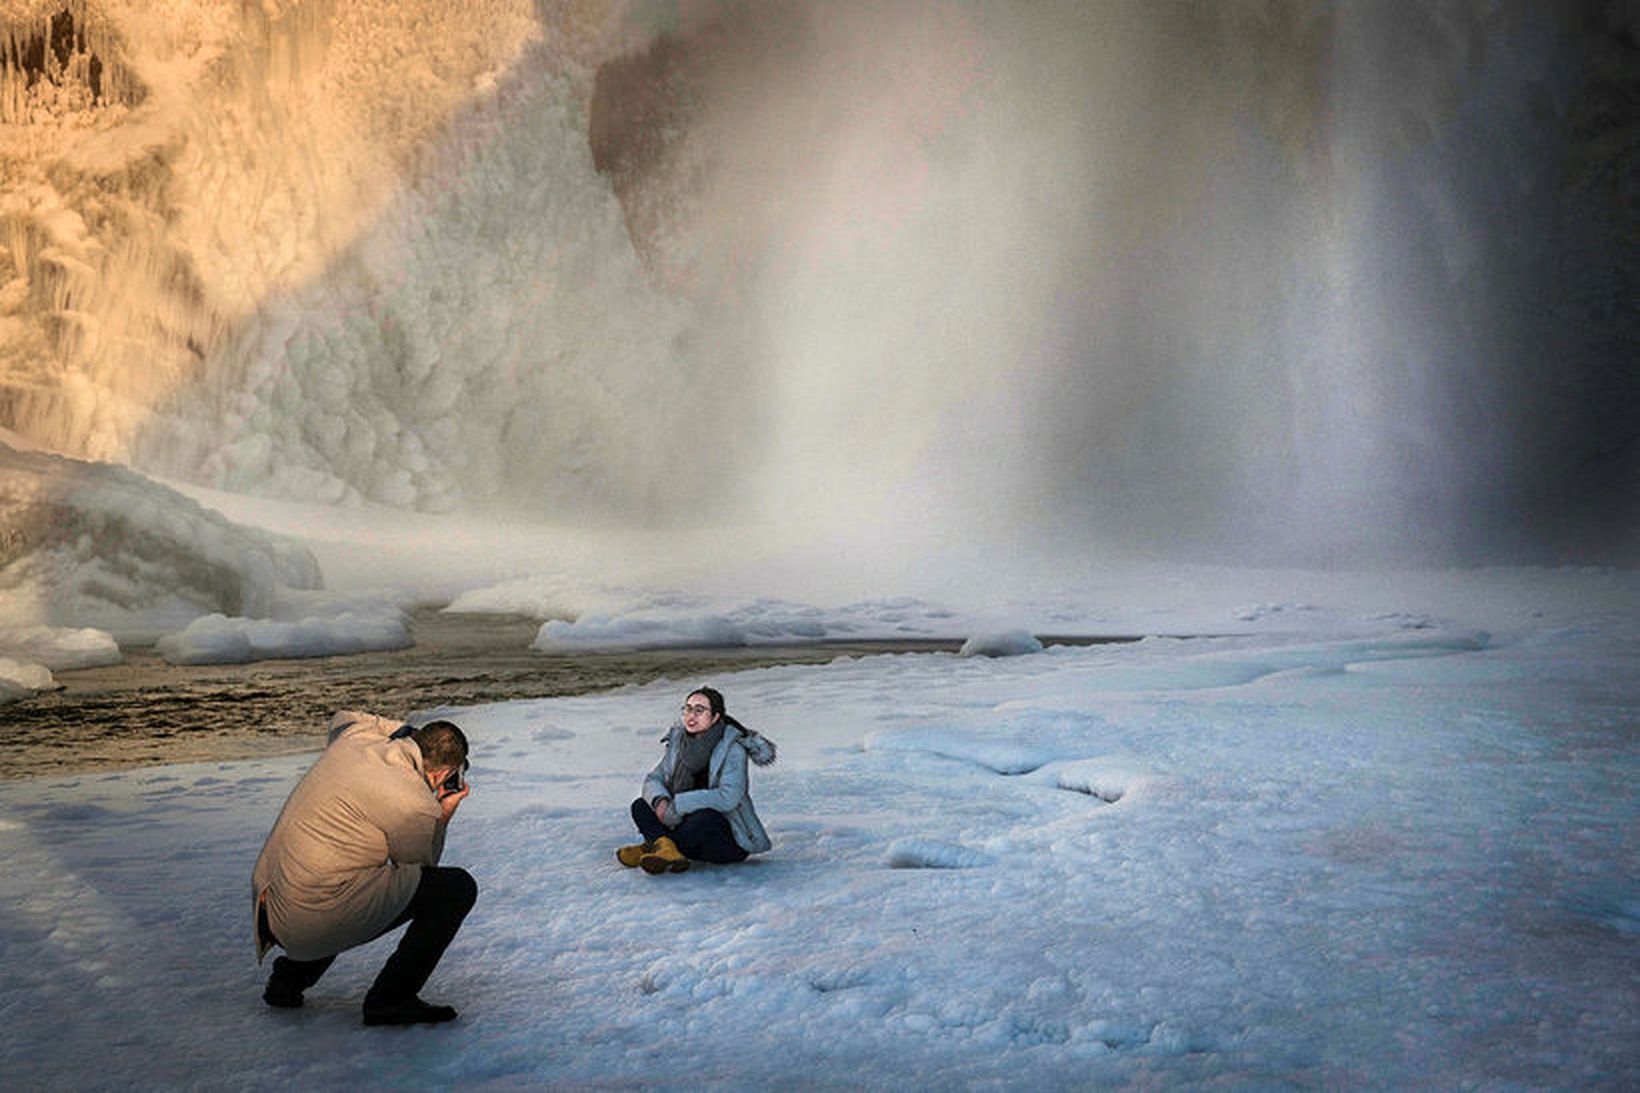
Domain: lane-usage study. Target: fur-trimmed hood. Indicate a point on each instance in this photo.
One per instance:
(759, 748)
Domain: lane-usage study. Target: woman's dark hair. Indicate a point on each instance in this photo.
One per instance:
(715, 698)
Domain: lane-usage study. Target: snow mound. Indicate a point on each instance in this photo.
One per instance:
(60, 648)
(643, 630)
(216, 639)
(1004, 643)
(932, 854)
(19, 679)
(1104, 779)
(97, 545)
(604, 617)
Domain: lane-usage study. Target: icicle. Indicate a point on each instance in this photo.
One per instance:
(59, 59)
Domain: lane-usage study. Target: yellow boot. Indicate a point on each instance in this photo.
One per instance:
(630, 856)
(663, 857)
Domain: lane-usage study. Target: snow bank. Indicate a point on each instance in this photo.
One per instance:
(96, 548)
(1004, 643)
(29, 654)
(88, 543)
(581, 613)
(587, 615)
(216, 639)
(648, 621)
(92, 544)
(60, 648)
(19, 679)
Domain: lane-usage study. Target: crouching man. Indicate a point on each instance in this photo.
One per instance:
(355, 854)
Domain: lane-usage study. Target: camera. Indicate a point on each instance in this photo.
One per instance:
(453, 783)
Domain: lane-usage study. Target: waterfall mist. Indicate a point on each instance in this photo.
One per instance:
(1268, 282)
(1279, 281)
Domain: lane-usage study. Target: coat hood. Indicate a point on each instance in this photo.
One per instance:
(759, 748)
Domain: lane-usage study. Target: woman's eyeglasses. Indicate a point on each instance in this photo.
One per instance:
(696, 709)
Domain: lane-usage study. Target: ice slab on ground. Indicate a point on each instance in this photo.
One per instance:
(1001, 643)
(19, 679)
(60, 648)
(216, 639)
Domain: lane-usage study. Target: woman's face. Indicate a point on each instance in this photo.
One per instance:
(697, 714)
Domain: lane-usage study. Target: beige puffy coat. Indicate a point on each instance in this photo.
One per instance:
(345, 856)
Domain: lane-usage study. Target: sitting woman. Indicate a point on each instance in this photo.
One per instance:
(695, 803)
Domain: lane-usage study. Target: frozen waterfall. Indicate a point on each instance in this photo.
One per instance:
(1284, 280)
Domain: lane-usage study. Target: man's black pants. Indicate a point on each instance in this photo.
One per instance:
(434, 913)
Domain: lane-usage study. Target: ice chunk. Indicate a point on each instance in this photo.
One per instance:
(19, 679)
(59, 648)
(932, 854)
(216, 639)
(1003, 643)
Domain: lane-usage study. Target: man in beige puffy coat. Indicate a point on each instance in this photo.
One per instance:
(355, 854)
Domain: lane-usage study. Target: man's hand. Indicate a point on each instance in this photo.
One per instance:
(451, 800)
(662, 808)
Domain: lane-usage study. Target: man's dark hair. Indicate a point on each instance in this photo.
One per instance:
(443, 746)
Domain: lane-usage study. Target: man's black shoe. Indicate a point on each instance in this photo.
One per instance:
(409, 1011)
(280, 996)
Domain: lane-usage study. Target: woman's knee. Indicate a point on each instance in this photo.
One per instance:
(707, 836)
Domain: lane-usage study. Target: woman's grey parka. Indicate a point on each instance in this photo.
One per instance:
(727, 789)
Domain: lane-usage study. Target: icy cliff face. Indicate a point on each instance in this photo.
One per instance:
(1266, 279)
(489, 341)
(154, 217)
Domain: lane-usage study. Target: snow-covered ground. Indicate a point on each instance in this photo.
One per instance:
(1317, 830)
(1368, 852)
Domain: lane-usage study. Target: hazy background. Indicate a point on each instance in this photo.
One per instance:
(1260, 282)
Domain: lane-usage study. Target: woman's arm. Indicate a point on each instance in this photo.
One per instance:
(723, 797)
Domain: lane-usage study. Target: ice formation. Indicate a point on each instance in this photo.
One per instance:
(1282, 280)
(96, 545)
(1001, 643)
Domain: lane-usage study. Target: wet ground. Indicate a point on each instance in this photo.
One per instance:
(145, 711)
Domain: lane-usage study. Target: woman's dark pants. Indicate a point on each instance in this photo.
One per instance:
(703, 835)
(435, 913)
